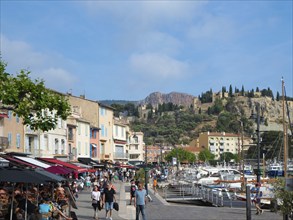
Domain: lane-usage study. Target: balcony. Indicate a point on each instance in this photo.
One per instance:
(4, 143)
(120, 155)
(212, 148)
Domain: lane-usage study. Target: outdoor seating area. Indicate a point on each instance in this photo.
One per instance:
(27, 184)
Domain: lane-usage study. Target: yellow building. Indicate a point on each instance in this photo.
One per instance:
(219, 143)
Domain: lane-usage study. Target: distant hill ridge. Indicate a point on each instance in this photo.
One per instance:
(176, 98)
(157, 98)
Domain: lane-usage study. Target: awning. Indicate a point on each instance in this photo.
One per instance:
(33, 161)
(62, 163)
(59, 170)
(3, 115)
(91, 162)
(17, 162)
(94, 145)
(50, 175)
(82, 165)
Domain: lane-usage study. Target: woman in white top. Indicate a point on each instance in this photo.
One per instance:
(96, 195)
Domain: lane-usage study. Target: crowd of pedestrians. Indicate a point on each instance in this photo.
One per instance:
(44, 202)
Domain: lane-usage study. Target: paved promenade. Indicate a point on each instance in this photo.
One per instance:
(159, 209)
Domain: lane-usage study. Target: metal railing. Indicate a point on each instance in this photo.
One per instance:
(193, 192)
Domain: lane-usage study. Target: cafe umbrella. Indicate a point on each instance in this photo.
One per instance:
(17, 175)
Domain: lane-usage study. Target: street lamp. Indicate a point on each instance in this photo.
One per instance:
(146, 168)
(258, 120)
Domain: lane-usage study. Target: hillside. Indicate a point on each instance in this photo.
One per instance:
(180, 99)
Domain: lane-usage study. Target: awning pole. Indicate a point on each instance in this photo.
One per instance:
(12, 200)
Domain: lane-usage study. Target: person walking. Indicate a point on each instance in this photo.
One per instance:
(140, 201)
(133, 188)
(96, 195)
(257, 198)
(155, 183)
(108, 200)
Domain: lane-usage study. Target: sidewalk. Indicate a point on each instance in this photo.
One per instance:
(85, 210)
(159, 209)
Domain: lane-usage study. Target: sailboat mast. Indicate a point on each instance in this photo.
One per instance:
(284, 130)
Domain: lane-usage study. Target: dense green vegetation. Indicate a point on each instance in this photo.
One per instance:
(174, 125)
(181, 154)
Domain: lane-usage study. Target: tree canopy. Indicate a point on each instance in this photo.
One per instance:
(181, 154)
(39, 107)
(206, 155)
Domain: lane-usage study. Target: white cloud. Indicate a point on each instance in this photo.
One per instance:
(56, 77)
(158, 65)
(20, 55)
(215, 28)
(144, 13)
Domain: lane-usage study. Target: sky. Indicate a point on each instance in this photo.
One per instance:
(125, 50)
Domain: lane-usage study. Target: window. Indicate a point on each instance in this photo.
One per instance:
(79, 128)
(102, 130)
(123, 132)
(116, 130)
(59, 123)
(102, 149)
(86, 130)
(9, 115)
(70, 134)
(62, 146)
(86, 148)
(56, 145)
(78, 147)
(9, 138)
(93, 134)
(18, 140)
(103, 111)
(17, 119)
(46, 142)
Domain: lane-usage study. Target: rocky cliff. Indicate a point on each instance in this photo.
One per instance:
(174, 97)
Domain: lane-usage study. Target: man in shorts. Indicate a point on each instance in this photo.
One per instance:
(108, 200)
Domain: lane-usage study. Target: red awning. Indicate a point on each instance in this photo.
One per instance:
(2, 115)
(91, 170)
(126, 166)
(17, 162)
(62, 163)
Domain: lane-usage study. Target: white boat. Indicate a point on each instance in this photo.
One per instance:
(248, 169)
(267, 194)
(275, 170)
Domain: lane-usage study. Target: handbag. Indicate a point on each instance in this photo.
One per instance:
(95, 201)
(100, 205)
(116, 206)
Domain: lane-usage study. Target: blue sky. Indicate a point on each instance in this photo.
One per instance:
(129, 49)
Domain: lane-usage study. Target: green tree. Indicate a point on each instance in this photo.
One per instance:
(284, 195)
(223, 90)
(242, 90)
(117, 109)
(227, 156)
(181, 154)
(217, 108)
(206, 155)
(278, 96)
(39, 107)
(230, 91)
(207, 97)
